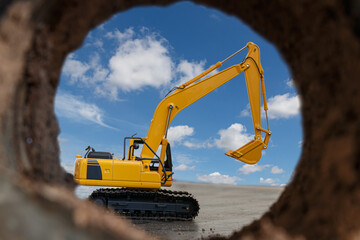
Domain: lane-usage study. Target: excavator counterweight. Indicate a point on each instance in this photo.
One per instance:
(145, 168)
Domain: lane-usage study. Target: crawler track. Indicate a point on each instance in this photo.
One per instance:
(154, 205)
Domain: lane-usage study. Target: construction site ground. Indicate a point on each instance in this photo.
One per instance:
(223, 209)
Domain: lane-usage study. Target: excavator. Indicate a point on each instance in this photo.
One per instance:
(134, 182)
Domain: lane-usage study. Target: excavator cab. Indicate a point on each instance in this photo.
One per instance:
(136, 146)
(160, 163)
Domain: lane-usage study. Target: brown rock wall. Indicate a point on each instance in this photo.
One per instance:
(318, 39)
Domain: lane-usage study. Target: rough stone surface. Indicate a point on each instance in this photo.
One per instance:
(31, 210)
(318, 39)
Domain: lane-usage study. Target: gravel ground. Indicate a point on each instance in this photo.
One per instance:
(223, 209)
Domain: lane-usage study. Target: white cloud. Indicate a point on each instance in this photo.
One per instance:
(75, 69)
(247, 169)
(276, 170)
(99, 73)
(197, 145)
(178, 133)
(72, 107)
(215, 17)
(183, 158)
(97, 43)
(217, 178)
(269, 181)
(290, 83)
(186, 70)
(245, 112)
(283, 106)
(139, 61)
(184, 167)
(101, 27)
(280, 106)
(142, 59)
(233, 137)
(121, 36)
(89, 74)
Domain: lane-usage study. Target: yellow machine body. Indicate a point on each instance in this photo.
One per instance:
(115, 172)
(148, 170)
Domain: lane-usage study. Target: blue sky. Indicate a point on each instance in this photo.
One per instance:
(112, 84)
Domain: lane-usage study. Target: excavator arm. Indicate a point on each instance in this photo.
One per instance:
(196, 88)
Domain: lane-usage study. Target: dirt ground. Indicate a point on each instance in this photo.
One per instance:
(223, 209)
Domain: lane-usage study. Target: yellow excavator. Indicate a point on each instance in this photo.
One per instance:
(147, 164)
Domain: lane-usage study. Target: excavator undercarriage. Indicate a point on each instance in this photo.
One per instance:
(141, 204)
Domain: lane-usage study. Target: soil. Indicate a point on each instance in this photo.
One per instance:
(223, 208)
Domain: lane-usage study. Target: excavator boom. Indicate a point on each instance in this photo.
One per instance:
(193, 90)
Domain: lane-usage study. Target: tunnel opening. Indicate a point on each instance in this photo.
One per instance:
(99, 102)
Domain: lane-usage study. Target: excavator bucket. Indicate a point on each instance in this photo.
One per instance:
(249, 153)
